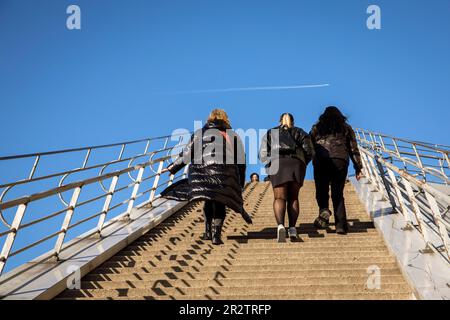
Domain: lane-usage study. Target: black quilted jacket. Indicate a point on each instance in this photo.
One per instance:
(303, 152)
(338, 146)
(210, 175)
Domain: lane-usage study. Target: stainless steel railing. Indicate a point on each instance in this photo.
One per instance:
(414, 177)
(43, 210)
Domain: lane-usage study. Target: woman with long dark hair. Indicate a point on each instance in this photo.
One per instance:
(286, 150)
(335, 144)
(216, 173)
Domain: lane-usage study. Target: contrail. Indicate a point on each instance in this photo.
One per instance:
(308, 86)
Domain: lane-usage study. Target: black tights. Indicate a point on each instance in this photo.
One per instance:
(215, 213)
(286, 195)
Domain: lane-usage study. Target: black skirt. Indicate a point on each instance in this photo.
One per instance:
(289, 170)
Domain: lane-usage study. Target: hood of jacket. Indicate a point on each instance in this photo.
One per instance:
(217, 124)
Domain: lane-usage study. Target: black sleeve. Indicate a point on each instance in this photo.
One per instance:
(185, 156)
(306, 143)
(240, 159)
(354, 153)
(264, 150)
(313, 134)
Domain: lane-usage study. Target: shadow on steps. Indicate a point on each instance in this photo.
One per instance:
(308, 229)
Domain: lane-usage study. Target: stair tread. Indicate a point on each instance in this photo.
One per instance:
(171, 262)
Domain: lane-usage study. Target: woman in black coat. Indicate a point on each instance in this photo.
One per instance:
(286, 150)
(216, 173)
(335, 144)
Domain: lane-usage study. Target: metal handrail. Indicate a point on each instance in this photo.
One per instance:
(405, 180)
(439, 147)
(88, 147)
(432, 161)
(21, 203)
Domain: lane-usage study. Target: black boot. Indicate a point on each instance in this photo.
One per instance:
(323, 219)
(216, 235)
(208, 234)
(342, 228)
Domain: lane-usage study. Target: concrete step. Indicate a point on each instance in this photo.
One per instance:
(287, 267)
(240, 241)
(261, 256)
(361, 227)
(217, 291)
(240, 283)
(262, 297)
(370, 260)
(171, 262)
(269, 234)
(151, 251)
(213, 273)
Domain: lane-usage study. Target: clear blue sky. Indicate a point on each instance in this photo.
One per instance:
(62, 89)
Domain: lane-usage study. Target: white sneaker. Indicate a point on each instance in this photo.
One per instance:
(281, 233)
(293, 234)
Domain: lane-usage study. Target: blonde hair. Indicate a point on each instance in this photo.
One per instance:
(287, 120)
(219, 114)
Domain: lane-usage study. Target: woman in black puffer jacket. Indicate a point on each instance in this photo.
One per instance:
(216, 173)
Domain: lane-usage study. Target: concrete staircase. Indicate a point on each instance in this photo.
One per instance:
(171, 262)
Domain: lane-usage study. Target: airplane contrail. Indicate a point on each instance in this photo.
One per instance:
(308, 86)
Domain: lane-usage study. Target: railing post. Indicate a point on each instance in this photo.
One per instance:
(366, 167)
(66, 222)
(446, 158)
(382, 141)
(158, 175)
(156, 182)
(107, 204)
(185, 172)
(416, 210)
(33, 169)
(171, 177)
(372, 138)
(375, 176)
(438, 220)
(137, 183)
(419, 161)
(20, 212)
(397, 150)
(86, 158)
(386, 184)
(400, 199)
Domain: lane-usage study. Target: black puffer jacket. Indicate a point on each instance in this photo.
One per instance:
(217, 166)
(341, 145)
(304, 150)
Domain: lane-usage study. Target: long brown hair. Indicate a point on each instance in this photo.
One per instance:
(331, 121)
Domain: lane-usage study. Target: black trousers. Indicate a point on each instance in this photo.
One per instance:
(331, 172)
(214, 212)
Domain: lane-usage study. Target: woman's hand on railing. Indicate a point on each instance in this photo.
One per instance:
(164, 170)
(359, 176)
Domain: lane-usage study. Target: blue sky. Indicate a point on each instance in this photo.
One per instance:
(103, 83)
(61, 88)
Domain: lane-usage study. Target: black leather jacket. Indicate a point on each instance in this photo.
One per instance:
(337, 146)
(214, 173)
(303, 152)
